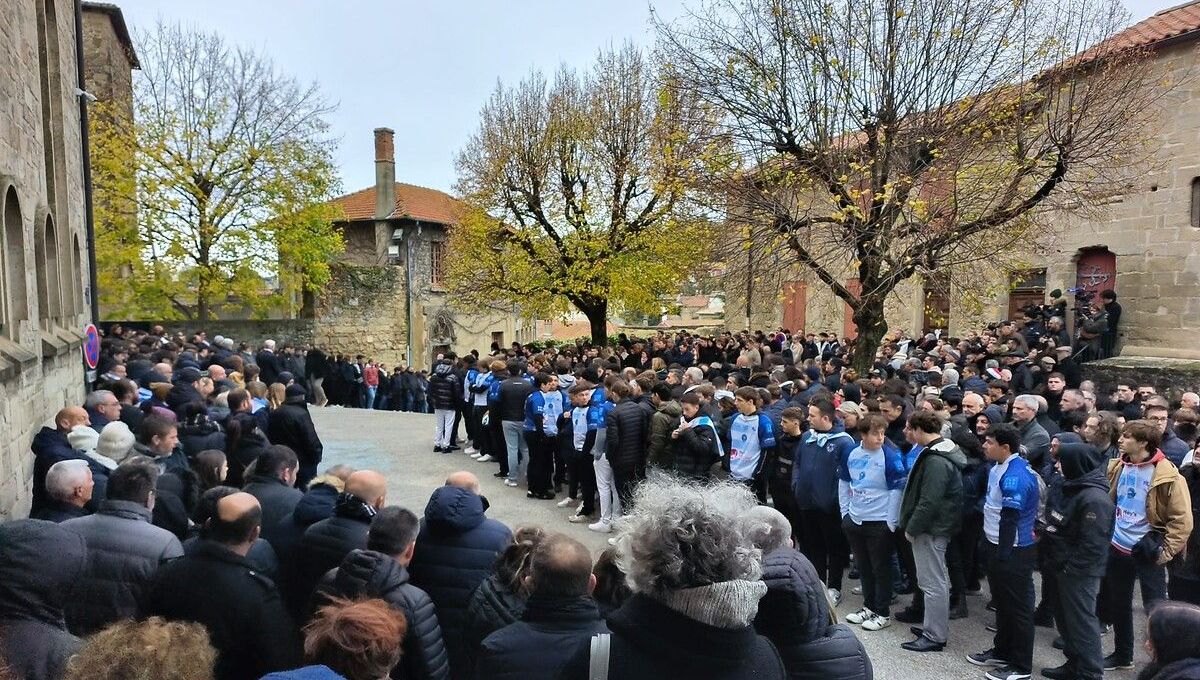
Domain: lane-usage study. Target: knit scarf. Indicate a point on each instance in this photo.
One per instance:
(349, 505)
(729, 604)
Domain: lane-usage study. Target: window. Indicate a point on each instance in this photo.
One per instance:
(1028, 287)
(1195, 217)
(75, 299)
(498, 339)
(437, 263)
(49, 287)
(17, 309)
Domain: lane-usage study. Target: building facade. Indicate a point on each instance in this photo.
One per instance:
(43, 251)
(1145, 247)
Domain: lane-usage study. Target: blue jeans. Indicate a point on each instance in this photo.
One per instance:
(371, 390)
(514, 441)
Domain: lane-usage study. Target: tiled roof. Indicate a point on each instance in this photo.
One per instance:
(418, 203)
(1170, 23)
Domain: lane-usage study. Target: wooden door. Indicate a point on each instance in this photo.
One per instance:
(795, 300)
(1096, 270)
(936, 303)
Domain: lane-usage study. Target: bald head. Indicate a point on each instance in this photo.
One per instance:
(70, 417)
(368, 485)
(236, 522)
(1190, 400)
(561, 568)
(464, 480)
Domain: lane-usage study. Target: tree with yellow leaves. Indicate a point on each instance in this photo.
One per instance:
(878, 140)
(576, 193)
(213, 191)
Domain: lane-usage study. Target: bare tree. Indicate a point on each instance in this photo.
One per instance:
(576, 194)
(875, 140)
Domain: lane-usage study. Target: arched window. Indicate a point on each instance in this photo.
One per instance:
(49, 282)
(1195, 216)
(14, 306)
(75, 295)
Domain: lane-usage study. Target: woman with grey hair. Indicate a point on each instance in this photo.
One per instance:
(694, 573)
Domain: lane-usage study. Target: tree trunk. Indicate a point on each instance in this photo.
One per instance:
(596, 312)
(872, 326)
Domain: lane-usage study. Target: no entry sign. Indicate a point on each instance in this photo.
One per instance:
(91, 345)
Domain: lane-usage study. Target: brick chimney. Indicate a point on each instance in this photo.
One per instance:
(385, 173)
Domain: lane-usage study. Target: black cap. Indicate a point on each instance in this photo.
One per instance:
(294, 393)
(190, 374)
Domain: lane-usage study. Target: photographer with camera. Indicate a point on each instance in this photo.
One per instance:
(1112, 311)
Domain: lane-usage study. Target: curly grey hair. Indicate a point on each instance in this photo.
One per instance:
(684, 534)
(767, 528)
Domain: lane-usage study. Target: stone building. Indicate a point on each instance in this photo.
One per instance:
(43, 251)
(1146, 247)
(388, 298)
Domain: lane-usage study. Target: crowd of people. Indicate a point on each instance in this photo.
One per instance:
(180, 527)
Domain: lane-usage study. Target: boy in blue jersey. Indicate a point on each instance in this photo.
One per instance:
(543, 409)
(815, 487)
(1010, 512)
(582, 441)
(870, 488)
(751, 441)
(477, 386)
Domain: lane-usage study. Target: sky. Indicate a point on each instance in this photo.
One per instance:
(422, 68)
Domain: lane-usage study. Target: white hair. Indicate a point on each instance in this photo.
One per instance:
(1029, 401)
(269, 344)
(64, 476)
(768, 529)
(685, 534)
(696, 375)
(97, 397)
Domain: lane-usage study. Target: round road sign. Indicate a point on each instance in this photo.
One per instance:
(91, 345)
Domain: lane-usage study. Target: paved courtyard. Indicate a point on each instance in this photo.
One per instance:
(400, 445)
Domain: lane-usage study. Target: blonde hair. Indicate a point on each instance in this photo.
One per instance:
(276, 393)
(143, 650)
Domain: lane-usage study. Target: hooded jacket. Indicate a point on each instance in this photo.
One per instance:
(1189, 566)
(794, 614)
(1168, 503)
(39, 564)
(200, 434)
(814, 475)
(1079, 514)
(51, 446)
(326, 543)
(658, 449)
(366, 573)
(933, 496)
(456, 549)
(124, 552)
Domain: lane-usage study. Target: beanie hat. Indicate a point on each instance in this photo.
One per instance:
(812, 373)
(116, 441)
(83, 438)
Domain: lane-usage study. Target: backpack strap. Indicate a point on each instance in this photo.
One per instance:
(598, 663)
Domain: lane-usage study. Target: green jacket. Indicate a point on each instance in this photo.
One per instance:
(659, 453)
(933, 495)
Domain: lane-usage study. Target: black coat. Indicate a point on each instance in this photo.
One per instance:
(627, 428)
(291, 425)
(1184, 669)
(366, 573)
(261, 556)
(1079, 517)
(249, 447)
(39, 563)
(492, 607)
(794, 615)
(182, 393)
(201, 436)
(456, 549)
(550, 633)
(695, 451)
(650, 641)
(51, 446)
(445, 389)
(1189, 565)
(240, 607)
(323, 547)
(57, 511)
(276, 498)
(268, 364)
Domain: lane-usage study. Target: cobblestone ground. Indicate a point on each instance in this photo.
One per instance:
(400, 445)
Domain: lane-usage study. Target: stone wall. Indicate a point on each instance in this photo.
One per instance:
(107, 71)
(41, 282)
(1170, 377)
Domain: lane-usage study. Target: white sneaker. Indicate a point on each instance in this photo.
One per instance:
(476, 455)
(601, 527)
(471, 451)
(566, 502)
(579, 519)
(511, 482)
(835, 596)
(859, 616)
(857, 590)
(877, 622)
(485, 458)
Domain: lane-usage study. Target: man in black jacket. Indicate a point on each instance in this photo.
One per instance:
(628, 428)
(444, 395)
(1079, 523)
(382, 571)
(560, 616)
(275, 472)
(267, 362)
(513, 393)
(291, 425)
(217, 587)
(326, 543)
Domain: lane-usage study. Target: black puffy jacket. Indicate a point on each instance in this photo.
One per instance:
(444, 390)
(366, 573)
(695, 450)
(1079, 513)
(323, 547)
(292, 425)
(549, 634)
(493, 606)
(627, 428)
(794, 614)
(277, 500)
(456, 549)
(201, 434)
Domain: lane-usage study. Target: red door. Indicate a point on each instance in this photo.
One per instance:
(849, 329)
(795, 299)
(1096, 270)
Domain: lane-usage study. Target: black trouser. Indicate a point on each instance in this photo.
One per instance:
(496, 442)
(823, 543)
(1119, 578)
(1011, 581)
(458, 414)
(562, 449)
(541, 461)
(477, 413)
(784, 501)
(627, 478)
(468, 413)
(909, 565)
(1049, 588)
(583, 474)
(871, 543)
(305, 474)
(1185, 589)
(1077, 621)
(962, 557)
